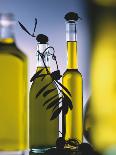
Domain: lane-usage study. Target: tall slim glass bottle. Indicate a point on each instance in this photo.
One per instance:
(72, 79)
(42, 132)
(13, 90)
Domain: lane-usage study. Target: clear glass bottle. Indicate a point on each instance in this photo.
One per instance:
(43, 133)
(13, 90)
(72, 80)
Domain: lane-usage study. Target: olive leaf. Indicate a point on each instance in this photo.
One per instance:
(35, 26)
(48, 92)
(68, 101)
(50, 99)
(56, 113)
(24, 28)
(63, 87)
(56, 106)
(42, 89)
(64, 106)
(54, 102)
(43, 77)
(36, 75)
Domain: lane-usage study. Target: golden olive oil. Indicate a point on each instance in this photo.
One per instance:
(13, 97)
(43, 132)
(72, 80)
(103, 77)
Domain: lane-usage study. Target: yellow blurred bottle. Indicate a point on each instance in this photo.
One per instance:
(13, 90)
(103, 75)
(43, 133)
(72, 80)
(87, 120)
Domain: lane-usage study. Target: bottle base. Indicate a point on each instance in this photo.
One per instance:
(14, 152)
(39, 150)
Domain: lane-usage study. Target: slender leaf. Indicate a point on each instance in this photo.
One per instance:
(64, 88)
(56, 105)
(47, 101)
(56, 113)
(65, 106)
(36, 75)
(43, 78)
(35, 26)
(48, 92)
(23, 27)
(53, 103)
(42, 89)
(42, 75)
(68, 101)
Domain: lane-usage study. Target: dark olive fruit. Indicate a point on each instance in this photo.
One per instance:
(60, 143)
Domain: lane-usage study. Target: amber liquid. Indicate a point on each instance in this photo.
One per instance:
(72, 79)
(13, 97)
(42, 132)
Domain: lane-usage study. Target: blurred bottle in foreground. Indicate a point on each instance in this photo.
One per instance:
(13, 90)
(103, 76)
(87, 121)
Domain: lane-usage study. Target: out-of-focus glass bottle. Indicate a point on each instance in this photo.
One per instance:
(103, 75)
(13, 90)
(87, 121)
(43, 133)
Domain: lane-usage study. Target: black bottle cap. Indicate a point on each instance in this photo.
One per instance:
(42, 39)
(71, 16)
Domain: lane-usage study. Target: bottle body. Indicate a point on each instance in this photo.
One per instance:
(72, 80)
(42, 132)
(13, 97)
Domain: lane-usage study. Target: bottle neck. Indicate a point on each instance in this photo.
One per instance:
(71, 38)
(6, 34)
(41, 62)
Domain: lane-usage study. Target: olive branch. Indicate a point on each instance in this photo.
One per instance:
(64, 95)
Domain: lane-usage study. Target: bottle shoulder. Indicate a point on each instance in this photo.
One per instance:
(41, 82)
(74, 72)
(45, 77)
(20, 53)
(12, 49)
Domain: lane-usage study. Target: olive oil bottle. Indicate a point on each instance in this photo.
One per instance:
(42, 132)
(13, 90)
(103, 76)
(72, 80)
